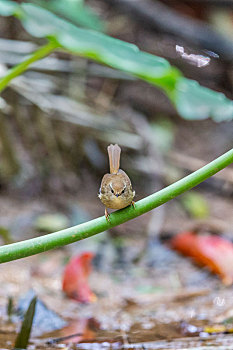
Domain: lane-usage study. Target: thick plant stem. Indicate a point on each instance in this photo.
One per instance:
(57, 239)
(21, 67)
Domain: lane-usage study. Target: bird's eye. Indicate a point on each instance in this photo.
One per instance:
(112, 190)
(123, 191)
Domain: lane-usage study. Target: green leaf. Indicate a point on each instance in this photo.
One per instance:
(116, 53)
(163, 131)
(191, 100)
(148, 289)
(8, 8)
(5, 235)
(51, 222)
(195, 204)
(10, 308)
(113, 52)
(24, 334)
(74, 11)
(197, 102)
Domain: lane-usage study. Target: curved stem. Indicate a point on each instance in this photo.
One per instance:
(21, 67)
(57, 239)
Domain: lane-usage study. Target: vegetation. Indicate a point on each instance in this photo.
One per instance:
(191, 100)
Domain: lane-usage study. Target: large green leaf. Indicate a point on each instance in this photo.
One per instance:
(113, 52)
(191, 100)
(74, 11)
(197, 102)
(8, 8)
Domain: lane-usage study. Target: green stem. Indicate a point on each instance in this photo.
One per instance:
(21, 67)
(57, 239)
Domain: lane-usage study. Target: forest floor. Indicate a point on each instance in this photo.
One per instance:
(161, 301)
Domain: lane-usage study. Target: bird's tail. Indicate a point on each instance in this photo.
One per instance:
(114, 153)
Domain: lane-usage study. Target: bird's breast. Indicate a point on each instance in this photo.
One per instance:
(114, 202)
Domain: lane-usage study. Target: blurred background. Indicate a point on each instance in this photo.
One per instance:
(56, 121)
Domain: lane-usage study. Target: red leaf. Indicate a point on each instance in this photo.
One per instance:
(75, 278)
(214, 252)
(79, 330)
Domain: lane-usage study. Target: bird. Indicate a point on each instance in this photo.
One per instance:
(116, 189)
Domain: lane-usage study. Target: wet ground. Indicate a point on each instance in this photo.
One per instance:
(148, 296)
(160, 301)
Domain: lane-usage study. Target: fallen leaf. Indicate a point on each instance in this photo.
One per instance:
(77, 330)
(219, 328)
(75, 280)
(214, 252)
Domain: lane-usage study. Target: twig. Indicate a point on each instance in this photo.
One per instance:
(217, 3)
(58, 340)
(20, 68)
(73, 234)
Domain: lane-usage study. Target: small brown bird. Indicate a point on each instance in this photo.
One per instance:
(116, 190)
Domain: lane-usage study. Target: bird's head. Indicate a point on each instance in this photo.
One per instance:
(117, 187)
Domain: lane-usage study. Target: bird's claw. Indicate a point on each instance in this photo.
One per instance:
(133, 204)
(107, 215)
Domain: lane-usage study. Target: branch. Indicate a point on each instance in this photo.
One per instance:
(76, 233)
(161, 17)
(217, 3)
(21, 67)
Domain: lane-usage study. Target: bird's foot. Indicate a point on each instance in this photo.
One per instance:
(133, 204)
(107, 215)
